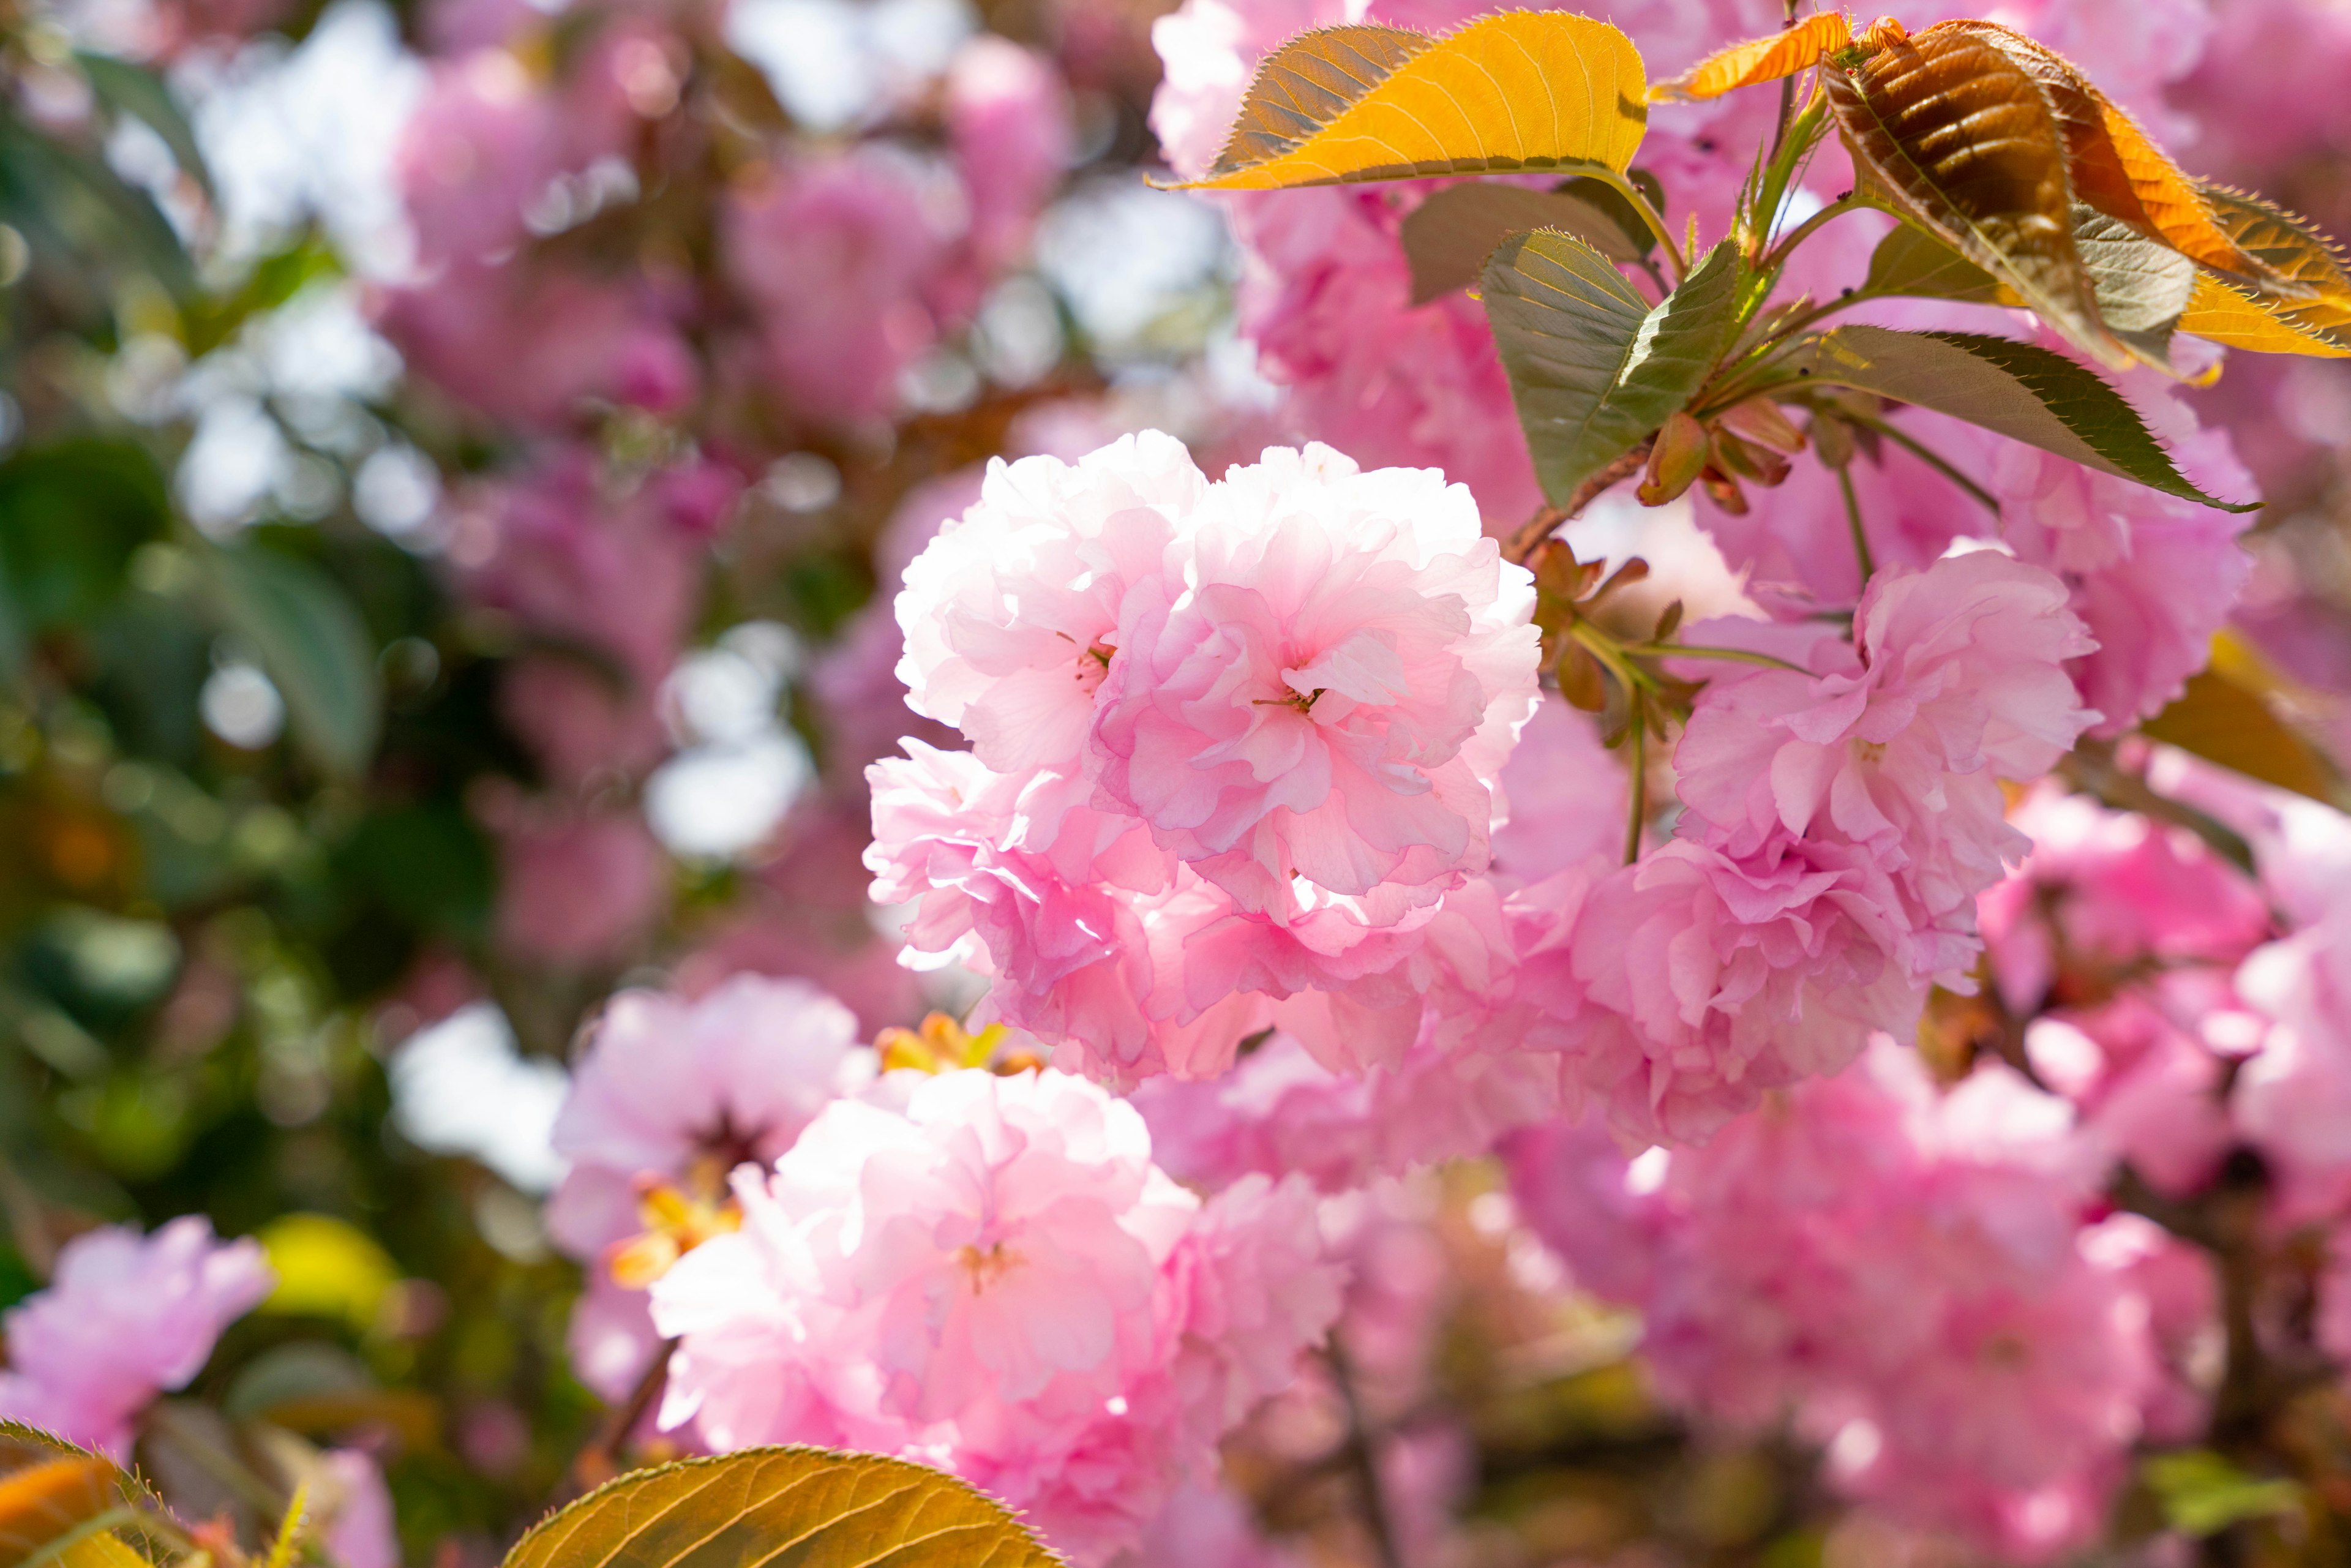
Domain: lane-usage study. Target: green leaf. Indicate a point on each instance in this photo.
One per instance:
(1914, 264)
(71, 516)
(2142, 283)
(311, 644)
(128, 89)
(1593, 368)
(68, 201)
(2202, 1493)
(806, 1507)
(1448, 237)
(2023, 390)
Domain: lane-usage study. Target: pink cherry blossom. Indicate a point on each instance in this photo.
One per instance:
(1901, 1270)
(681, 1091)
(533, 343)
(686, 1090)
(1279, 1111)
(125, 1317)
(1954, 680)
(359, 1527)
(2110, 890)
(835, 253)
(2292, 1098)
(994, 1277)
(1329, 690)
(1694, 982)
(1011, 613)
(1009, 121)
(576, 888)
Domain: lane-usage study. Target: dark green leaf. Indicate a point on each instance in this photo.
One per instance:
(68, 201)
(1448, 237)
(1593, 368)
(2020, 390)
(129, 89)
(311, 644)
(71, 516)
(806, 1507)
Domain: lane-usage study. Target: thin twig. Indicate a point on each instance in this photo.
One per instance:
(1637, 817)
(1701, 651)
(1805, 230)
(599, 1460)
(1548, 519)
(1926, 454)
(1363, 1461)
(1853, 519)
(28, 1227)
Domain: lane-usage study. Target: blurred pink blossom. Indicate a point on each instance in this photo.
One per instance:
(124, 1318)
(995, 1278)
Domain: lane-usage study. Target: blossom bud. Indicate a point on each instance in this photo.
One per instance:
(1675, 459)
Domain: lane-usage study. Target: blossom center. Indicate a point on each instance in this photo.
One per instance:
(983, 1266)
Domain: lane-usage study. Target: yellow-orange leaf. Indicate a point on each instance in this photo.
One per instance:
(1958, 136)
(1799, 48)
(2236, 320)
(1521, 90)
(43, 1501)
(2285, 244)
(2117, 167)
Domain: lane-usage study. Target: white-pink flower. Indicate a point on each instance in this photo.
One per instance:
(686, 1090)
(1322, 685)
(680, 1092)
(1011, 613)
(1695, 981)
(124, 1318)
(989, 1274)
(1954, 680)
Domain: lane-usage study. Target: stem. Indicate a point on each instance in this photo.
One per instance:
(598, 1461)
(1853, 518)
(1637, 817)
(1693, 651)
(1805, 230)
(1787, 86)
(1363, 1461)
(1918, 449)
(1649, 216)
(1547, 518)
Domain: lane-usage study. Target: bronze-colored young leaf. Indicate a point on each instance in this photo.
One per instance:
(1953, 133)
(1448, 237)
(2116, 167)
(809, 1507)
(1912, 263)
(2023, 390)
(49, 1498)
(57, 1501)
(1521, 90)
(2314, 318)
(2222, 720)
(1783, 54)
(1593, 367)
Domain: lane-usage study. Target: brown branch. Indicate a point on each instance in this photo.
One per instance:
(1548, 519)
(1363, 1461)
(600, 1461)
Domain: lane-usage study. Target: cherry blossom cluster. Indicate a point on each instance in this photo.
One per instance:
(1236, 748)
